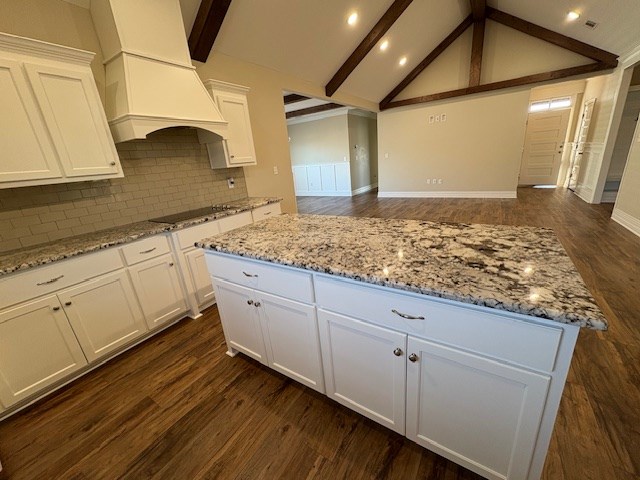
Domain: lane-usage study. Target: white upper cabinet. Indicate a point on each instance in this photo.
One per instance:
(57, 130)
(237, 149)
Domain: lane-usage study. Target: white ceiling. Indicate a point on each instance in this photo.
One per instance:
(311, 39)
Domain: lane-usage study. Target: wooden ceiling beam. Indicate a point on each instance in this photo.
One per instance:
(317, 109)
(376, 33)
(515, 82)
(441, 47)
(206, 27)
(293, 98)
(477, 47)
(478, 9)
(550, 36)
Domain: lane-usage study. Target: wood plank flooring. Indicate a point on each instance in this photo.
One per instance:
(177, 407)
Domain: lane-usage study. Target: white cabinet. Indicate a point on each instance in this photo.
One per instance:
(480, 413)
(278, 332)
(364, 368)
(37, 348)
(199, 276)
(266, 211)
(237, 149)
(57, 131)
(157, 284)
(104, 313)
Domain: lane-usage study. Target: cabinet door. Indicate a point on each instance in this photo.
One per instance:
(104, 313)
(290, 333)
(27, 152)
(479, 413)
(37, 348)
(364, 368)
(158, 287)
(73, 113)
(235, 110)
(240, 320)
(200, 277)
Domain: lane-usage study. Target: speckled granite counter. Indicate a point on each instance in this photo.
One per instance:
(30, 257)
(517, 269)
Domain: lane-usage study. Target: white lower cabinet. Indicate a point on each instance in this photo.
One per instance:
(104, 313)
(199, 276)
(37, 348)
(158, 287)
(365, 368)
(278, 332)
(480, 413)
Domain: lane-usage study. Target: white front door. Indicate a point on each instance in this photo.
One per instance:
(543, 144)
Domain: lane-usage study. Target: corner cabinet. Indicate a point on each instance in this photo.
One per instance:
(237, 150)
(57, 131)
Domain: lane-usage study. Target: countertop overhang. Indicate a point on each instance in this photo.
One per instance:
(517, 269)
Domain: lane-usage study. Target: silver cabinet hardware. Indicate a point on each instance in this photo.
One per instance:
(249, 274)
(267, 213)
(148, 251)
(67, 304)
(404, 315)
(113, 163)
(171, 264)
(249, 302)
(55, 309)
(48, 282)
(397, 352)
(413, 357)
(232, 156)
(256, 304)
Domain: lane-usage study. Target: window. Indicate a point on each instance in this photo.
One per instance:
(551, 104)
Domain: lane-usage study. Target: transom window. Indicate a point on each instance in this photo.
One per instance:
(550, 104)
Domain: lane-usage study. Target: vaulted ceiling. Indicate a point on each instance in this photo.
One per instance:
(311, 39)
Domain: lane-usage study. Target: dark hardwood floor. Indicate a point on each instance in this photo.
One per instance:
(177, 407)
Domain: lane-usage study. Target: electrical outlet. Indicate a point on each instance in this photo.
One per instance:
(431, 118)
(275, 170)
(231, 182)
(437, 118)
(439, 181)
(429, 181)
(434, 181)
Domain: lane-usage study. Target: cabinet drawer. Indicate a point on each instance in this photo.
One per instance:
(284, 282)
(494, 335)
(235, 221)
(49, 278)
(187, 237)
(145, 249)
(262, 213)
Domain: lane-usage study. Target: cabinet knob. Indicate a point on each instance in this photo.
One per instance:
(171, 264)
(112, 163)
(256, 304)
(232, 156)
(67, 303)
(55, 309)
(397, 352)
(413, 357)
(249, 302)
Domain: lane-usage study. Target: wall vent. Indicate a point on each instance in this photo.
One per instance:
(591, 24)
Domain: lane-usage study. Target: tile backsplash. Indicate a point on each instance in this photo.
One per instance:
(169, 172)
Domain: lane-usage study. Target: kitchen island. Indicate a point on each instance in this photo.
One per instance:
(458, 336)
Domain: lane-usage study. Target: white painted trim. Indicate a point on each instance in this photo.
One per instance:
(450, 194)
(312, 117)
(609, 197)
(147, 56)
(584, 192)
(634, 88)
(629, 222)
(631, 58)
(28, 46)
(323, 194)
(212, 85)
(363, 113)
(366, 188)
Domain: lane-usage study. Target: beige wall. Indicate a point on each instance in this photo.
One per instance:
(167, 173)
(363, 151)
(268, 121)
(478, 148)
(625, 135)
(57, 22)
(319, 141)
(628, 199)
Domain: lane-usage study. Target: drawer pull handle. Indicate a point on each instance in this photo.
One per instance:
(267, 213)
(404, 315)
(413, 358)
(67, 304)
(397, 352)
(148, 251)
(48, 282)
(249, 274)
(55, 309)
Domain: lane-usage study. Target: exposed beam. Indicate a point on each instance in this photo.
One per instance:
(550, 36)
(206, 27)
(478, 9)
(477, 46)
(293, 98)
(442, 46)
(316, 109)
(376, 33)
(515, 82)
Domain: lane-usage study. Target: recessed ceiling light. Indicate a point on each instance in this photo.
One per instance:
(402, 61)
(573, 15)
(353, 18)
(384, 45)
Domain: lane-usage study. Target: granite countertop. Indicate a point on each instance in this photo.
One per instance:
(50, 252)
(517, 269)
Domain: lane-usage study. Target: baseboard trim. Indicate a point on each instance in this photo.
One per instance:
(609, 197)
(627, 221)
(462, 194)
(323, 194)
(585, 193)
(365, 189)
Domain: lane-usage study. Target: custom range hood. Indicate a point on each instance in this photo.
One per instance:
(150, 81)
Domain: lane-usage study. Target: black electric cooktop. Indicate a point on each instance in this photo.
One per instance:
(182, 216)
